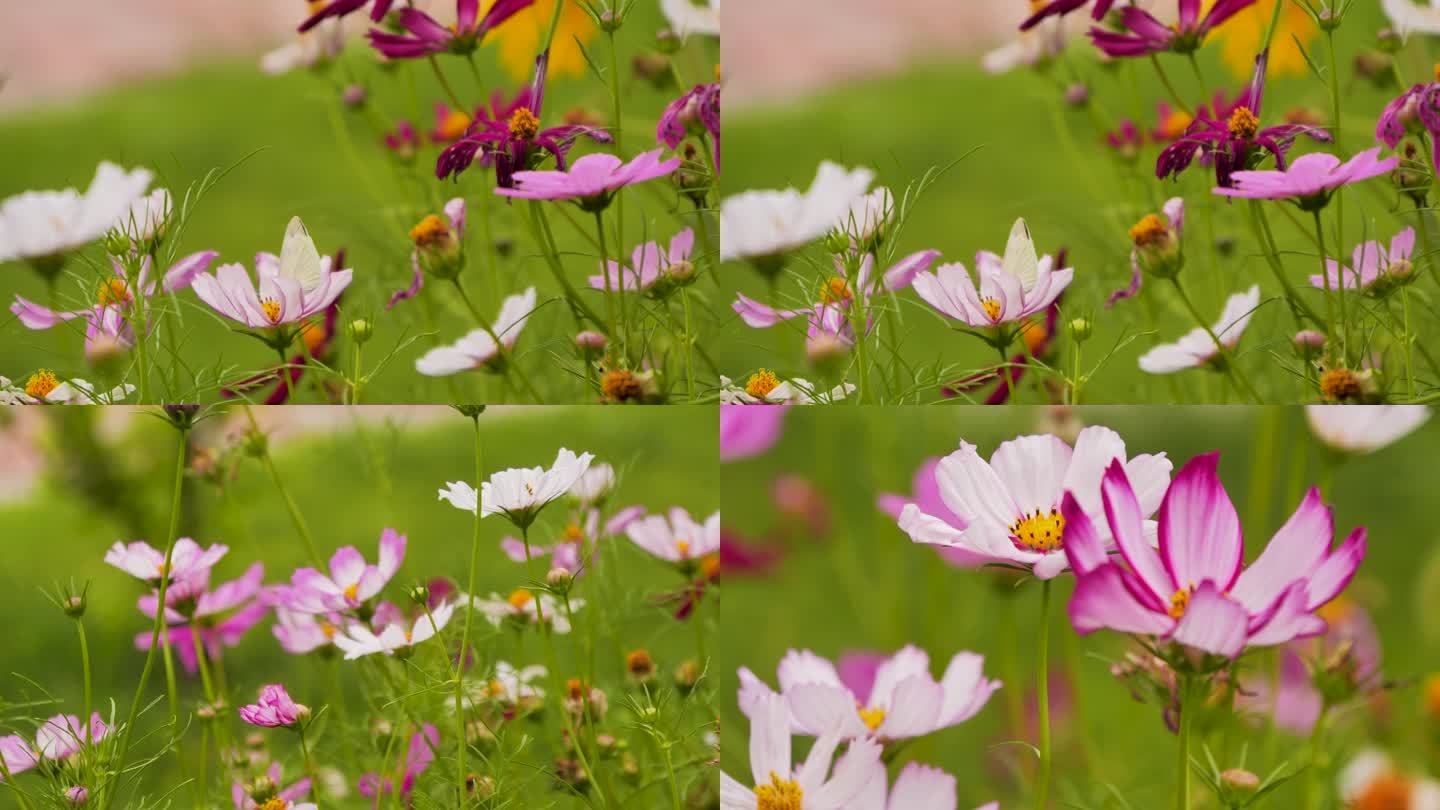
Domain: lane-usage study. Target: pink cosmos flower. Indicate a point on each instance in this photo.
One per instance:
(352, 582)
(1195, 348)
(220, 616)
(652, 270)
(293, 286)
(590, 181)
(810, 786)
(274, 709)
(1310, 179)
(1146, 35)
(569, 553)
(749, 430)
(927, 498)
(838, 293)
(898, 700)
(301, 633)
(1371, 265)
(426, 37)
(676, 538)
(188, 561)
(115, 293)
(1008, 290)
(57, 739)
(418, 757)
(288, 797)
(1010, 507)
(1196, 591)
(1416, 110)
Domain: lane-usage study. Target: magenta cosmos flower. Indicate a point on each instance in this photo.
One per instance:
(426, 37)
(115, 293)
(1373, 267)
(220, 617)
(418, 757)
(58, 738)
(695, 113)
(1310, 179)
(1415, 111)
(926, 497)
(510, 138)
(274, 709)
(898, 699)
(351, 583)
(292, 286)
(653, 270)
(1230, 137)
(749, 430)
(340, 8)
(1196, 590)
(1060, 7)
(1010, 506)
(188, 561)
(592, 180)
(1146, 35)
(1010, 289)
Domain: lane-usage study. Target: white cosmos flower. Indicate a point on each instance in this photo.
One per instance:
(1372, 772)
(868, 214)
(507, 684)
(477, 348)
(1013, 505)
(918, 787)
(1195, 348)
(770, 390)
(1364, 428)
(48, 224)
(594, 485)
(520, 493)
(44, 388)
(678, 538)
(766, 223)
(147, 216)
(1028, 49)
(521, 605)
(693, 16)
(812, 785)
(359, 640)
(1409, 16)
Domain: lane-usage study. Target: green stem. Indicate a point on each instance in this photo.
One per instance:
(675, 802)
(1187, 718)
(690, 346)
(1331, 295)
(1175, 96)
(1314, 774)
(1263, 234)
(610, 293)
(295, 517)
(460, 735)
(445, 84)
(128, 733)
(540, 226)
(1042, 696)
(85, 668)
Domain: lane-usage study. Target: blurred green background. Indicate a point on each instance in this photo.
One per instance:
(349, 486)
(293, 149)
(1027, 154)
(865, 585)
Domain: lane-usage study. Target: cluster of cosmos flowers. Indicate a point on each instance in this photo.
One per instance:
(504, 160)
(1355, 324)
(1156, 552)
(437, 691)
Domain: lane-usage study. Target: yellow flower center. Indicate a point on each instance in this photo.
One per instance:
(1039, 531)
(574, 534)
(872, 718)
(1175, 124)
(41, 383)
(328, 629)
(519, 598)
(1179, 603)
(779, 794)
(429, 230)
(1340, 385)
(639, 662)
(453, 126)
(1388, 791)
(276, 803)
(991, 307)
(835, 291)
(271, 308)
(351, 592)
(1149, 230)
(523, 124)
(761, 383)
(1243, 123)
(683, 548)
(112, 291)
(710, 566)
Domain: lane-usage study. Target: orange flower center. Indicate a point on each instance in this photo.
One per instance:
(1034, 333)
(1149, 230)
(1179, 603)
(523, 124)
(276, 803)
(835, 291)
(683, 547)
(112, 291)
(1175, 124)
(710, 566)
(1040, 531)
(429, 230)
(1389, 791)
(991, 307)
(779, 794)
(41, 383)
(1432, 698)
(351, 592)
(328, 629)
(574, 534)
(761, 383)
(453, 127)
(1243, 123)
(519, 598)
(271, 308)
(872, 718)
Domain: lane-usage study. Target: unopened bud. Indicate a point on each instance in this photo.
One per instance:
(1239, 783)
(1080, 329)
(1077, 94)
(360, 330)
(353, 95)
(559, 579)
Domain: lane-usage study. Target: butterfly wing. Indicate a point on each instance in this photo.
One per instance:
(298, 258)
(1020, 259)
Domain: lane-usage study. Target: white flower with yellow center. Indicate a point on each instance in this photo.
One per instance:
(1011, 288)
(44, 387)
(520, 493)
(765, 387)
(398, 638)
(43, 226)
(764, 225)
(522, 606)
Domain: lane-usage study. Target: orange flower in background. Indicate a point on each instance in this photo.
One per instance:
(1241, 37)
(520, 37)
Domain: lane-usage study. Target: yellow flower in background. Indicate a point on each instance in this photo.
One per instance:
(520, 37)
(1241, 36)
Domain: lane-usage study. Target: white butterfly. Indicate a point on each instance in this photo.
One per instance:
(300, 261)
(1020, 259)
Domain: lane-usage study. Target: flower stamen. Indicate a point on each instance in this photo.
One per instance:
(41, 383)
(761, 383)
(779, 794)
(872, 717)
(1179, 603)
(112, 292)
(1039, 531)
(429, 230)
(1243, 123)
(524, 125)
(992, 308)
(271, 308)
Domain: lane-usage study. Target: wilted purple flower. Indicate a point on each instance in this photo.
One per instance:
(1060, 7)
(339, 8)
(691, 114)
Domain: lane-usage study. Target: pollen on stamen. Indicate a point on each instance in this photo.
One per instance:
(779, 794)
(112, 292)
(1179, 603)
(992, 308)
(761, 383)
(683, 548)
(872, 717)
(1243, 123)
(41, 383)
(524, 125)
(1149, 230)
(519, 598)
(352, 592)
(1039, 531)
(429, 230)
(834, 291)
(271, 308)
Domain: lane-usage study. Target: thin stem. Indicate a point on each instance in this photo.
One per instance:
(295, 517)
(284, 370)
(85, 668)
(128, 733)
(1331, 294)
(1187, 718)
(543, 236)
(1313, 774)
(1042, 696)
(610, 293)
(690, 346)
(1261, 225)
(444, 83)
(460, 731)
(1175, 96)
(1199, 76)
(675, 802)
